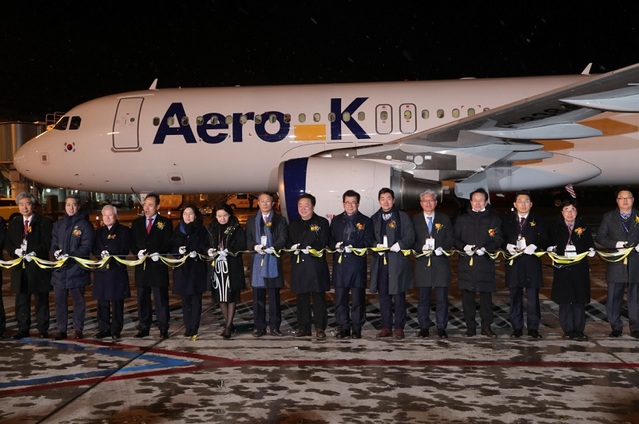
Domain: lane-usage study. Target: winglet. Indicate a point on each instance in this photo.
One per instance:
(586, 70)
(154, 85)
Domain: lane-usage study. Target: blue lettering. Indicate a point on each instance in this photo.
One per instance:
(260, 128)
(164, 130)
(212, 121)
(336, 125)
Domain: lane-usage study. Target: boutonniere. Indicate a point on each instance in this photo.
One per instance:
(579, 231)
(533, 223)
(492, 232)
(229, 230)
(359, 226)
(438, 226)
(110, 236)
(269, 224)
(315, 228)
(29, 229)
(392, 224)
(160, 225)
(636, 219)
(76, 232)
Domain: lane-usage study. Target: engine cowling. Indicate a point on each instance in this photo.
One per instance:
(328, 178)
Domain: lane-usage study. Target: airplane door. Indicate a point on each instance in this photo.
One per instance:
(407, 121)
(126, 128)
(384, 119)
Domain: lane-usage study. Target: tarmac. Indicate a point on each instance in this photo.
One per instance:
(304, 380)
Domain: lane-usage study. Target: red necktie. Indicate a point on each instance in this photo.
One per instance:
(149, 225)
(26, 228)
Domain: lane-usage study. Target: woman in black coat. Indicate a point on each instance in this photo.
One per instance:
(227, 280)
(571, 282)
(189, 279)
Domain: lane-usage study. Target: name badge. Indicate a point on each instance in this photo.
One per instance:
(571, 251)
(263, 241)
(430, 243)
(521, 243)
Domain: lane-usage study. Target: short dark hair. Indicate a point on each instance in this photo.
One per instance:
(568, 201)
(384, 191)
(155, 196)
(269, 194)
(223, 207)
(351, 193)
(620, 189)
(307, 196)
(479, 190)
(196, 211)
(523, 193)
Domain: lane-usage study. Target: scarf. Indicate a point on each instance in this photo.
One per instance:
(264, 266)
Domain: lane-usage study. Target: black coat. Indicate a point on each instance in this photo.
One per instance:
(309, 274)
(525, 270)
(190, 277)
(611, 231)
(37, 280)
(350, 271)
(111, 282)
(433, 271)
(149, 273)
(233, 238)
(571, 284)
(481, 229)
(74, 236)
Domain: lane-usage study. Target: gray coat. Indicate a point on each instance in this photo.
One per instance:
(609, 233)
(399, 273)
(433, 271)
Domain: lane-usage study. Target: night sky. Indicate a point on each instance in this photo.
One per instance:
(62, 54)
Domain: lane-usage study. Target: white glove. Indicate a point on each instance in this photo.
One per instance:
(155, 256)
(19, 252)
(141, 253)
(57, 254)
(259, 249)
(480, 252)
(592, 253)
(182, 250)
(530, 249)
(269, 250)
(193, 254)
(23, 246)
(469, 249)
(395, 247)
(380, 245)
(29, 256)
(637, 248)
(425, 247)
(551, 249)
(338, 245)
(348, 249)
(296, 247)
(305, 251)
(620, 244)
(511, 248)
(439, 251)
(211, 252)
(221, 255)
(104, 254)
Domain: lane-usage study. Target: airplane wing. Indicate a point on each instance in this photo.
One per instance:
(465, 149)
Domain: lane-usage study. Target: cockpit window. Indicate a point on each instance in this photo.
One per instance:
(62, 123)
(75, 122)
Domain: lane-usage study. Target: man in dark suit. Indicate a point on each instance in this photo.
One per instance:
(524, 232)
(433, 235)
(350, 229)
(620, 229)
(29, 236)
(151, 236)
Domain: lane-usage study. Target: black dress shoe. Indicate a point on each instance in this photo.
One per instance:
(614, 334)
(44, 335)
(164, 335)
(320, 334)
(581, 337)
(277, 333)
(116, 336)
(78, 334)
(259, 333)
(534, 334)
(424, 332)
(60, 335)
(141, 334)
(488, 332)
(343, 334)
(471, 332)
(516, 333)
(20, 335)
(228, 331)
(441, 332)
(102, 335)
(190, 334)
(302, 333)
(357, 334)
(568, 336)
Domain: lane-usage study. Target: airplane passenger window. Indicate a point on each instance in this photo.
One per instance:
(301, 117)
(199, 120)
(170, 121)
(62, 123)
(75, 122)
(455, 113)
(316, 117)
(215, 120)
(156, 121)
(471, 111)
(408, 114)
(361, 116)
(185, 121)
(440, 113)
(383, 115)
(243, 119)
(287, 117)
(425, 114)
(228, 119)
(346, 116)
(331, 117)
(486, 109)
(272, 118)
(258, 119)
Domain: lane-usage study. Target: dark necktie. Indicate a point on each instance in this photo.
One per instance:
(26, 228)
(149, 225)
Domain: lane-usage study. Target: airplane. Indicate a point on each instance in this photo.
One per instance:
(501, 134)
